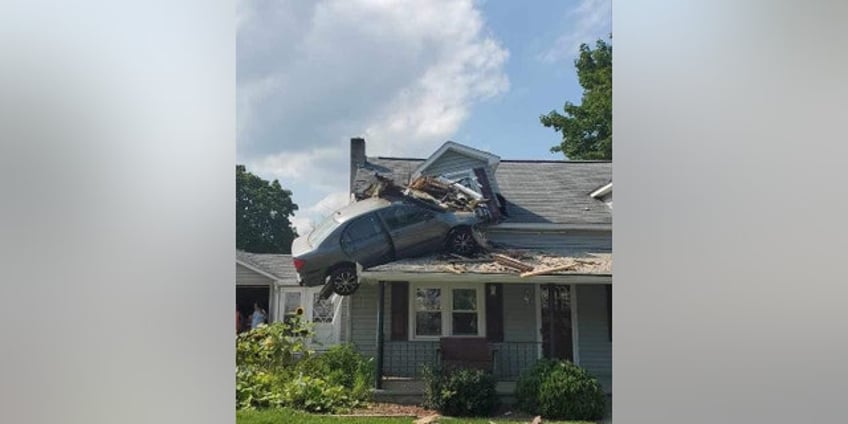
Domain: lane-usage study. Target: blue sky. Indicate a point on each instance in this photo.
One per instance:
(406, 75)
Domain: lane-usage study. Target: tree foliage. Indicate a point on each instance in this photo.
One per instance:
(587, 128)
(263, 210)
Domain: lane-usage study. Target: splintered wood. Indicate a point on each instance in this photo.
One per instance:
(512, 262)
(543, 271)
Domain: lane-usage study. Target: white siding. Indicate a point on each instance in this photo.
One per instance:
(248, 277)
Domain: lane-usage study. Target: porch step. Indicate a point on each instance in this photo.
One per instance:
(411, 392)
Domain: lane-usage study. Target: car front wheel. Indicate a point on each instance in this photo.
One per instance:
(344, 280)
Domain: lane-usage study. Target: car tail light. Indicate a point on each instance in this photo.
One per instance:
(298, 264)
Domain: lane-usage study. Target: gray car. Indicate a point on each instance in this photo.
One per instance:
(373, 232)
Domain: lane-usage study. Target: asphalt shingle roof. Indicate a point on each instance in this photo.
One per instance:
(279, 265)
(536, 191)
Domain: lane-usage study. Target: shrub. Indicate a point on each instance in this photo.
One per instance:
(560, 390)
(342, 365)
(265, 358)
(277, 345)
(461, 393)
(275, 368)
(527, 386)
(256, 388)
(314, 394)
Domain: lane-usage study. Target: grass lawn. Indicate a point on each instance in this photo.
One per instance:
(283, 416)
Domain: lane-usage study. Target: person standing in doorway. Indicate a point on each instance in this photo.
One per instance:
(239, 321)
(257, 317)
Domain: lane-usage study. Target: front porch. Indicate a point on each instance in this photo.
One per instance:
(516, 317)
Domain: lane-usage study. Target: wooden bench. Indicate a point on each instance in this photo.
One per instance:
(466, 352)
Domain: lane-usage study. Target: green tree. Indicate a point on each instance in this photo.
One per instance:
(587, 128)
(262, 214)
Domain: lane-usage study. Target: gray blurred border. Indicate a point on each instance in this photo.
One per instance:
(730, 235)
(116, 212)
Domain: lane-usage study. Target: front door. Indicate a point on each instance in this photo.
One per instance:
(556, 322)
(322, 313)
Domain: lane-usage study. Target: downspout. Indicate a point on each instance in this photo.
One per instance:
(378, 374)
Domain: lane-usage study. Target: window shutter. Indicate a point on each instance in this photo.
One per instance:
(494, 312)
(400, 310)
(609, 310)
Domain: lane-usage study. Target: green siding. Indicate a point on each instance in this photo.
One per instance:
(519, 317)
(593, 335)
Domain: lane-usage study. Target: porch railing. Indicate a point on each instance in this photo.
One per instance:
(407, 358)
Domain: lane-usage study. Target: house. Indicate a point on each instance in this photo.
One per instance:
(404, 310)
(270, 280)
(562, 209)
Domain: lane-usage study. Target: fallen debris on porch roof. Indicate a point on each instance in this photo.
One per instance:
(533, 263)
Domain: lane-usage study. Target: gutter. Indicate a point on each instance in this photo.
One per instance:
(526, 226)
(372, 277)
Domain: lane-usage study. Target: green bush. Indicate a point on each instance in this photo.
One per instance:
(560, 390)
(273, 346)
(342, 365)
(274, 368)
(314, 394)
(256, 388)
(527, 386)
(460, 393)
(265, 359)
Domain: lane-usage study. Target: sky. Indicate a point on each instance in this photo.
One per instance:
(405, 75)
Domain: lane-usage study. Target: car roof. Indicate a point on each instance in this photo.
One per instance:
(360, 208)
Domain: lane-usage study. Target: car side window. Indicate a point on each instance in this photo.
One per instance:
(362, 228)
(404, 215)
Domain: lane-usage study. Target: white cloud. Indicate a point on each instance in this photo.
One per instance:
(591, 20)
(404, 74)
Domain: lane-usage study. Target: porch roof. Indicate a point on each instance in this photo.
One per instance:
(581, 267)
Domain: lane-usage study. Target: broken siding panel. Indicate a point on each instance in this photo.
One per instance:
(519, 317)
(593, 335)
(248, 277)
(554, 241)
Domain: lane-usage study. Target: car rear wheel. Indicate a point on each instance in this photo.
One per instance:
(344, 280)
(461, 241)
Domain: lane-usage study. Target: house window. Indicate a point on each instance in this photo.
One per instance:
(464, 312)
(428, 312)
(446, 310)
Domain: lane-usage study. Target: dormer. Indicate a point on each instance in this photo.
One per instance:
(457, 162)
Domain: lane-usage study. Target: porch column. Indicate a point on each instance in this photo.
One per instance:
(551, 317)
(378, 375)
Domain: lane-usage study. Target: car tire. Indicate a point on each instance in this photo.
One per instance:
(344, 280)
(461, 241)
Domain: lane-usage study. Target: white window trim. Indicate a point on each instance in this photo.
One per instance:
(447, 308)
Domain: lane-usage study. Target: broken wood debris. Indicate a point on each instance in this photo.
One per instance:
(512, 262)
(549, 270)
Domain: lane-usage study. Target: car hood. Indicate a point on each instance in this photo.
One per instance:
(300, 246)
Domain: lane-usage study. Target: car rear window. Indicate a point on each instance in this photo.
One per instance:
(322, 230)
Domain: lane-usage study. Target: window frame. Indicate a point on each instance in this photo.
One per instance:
(446, 309)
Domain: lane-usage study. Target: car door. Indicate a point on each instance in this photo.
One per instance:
(414, 230)
(365, 241)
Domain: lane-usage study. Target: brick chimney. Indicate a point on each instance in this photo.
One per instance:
(357, 157)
